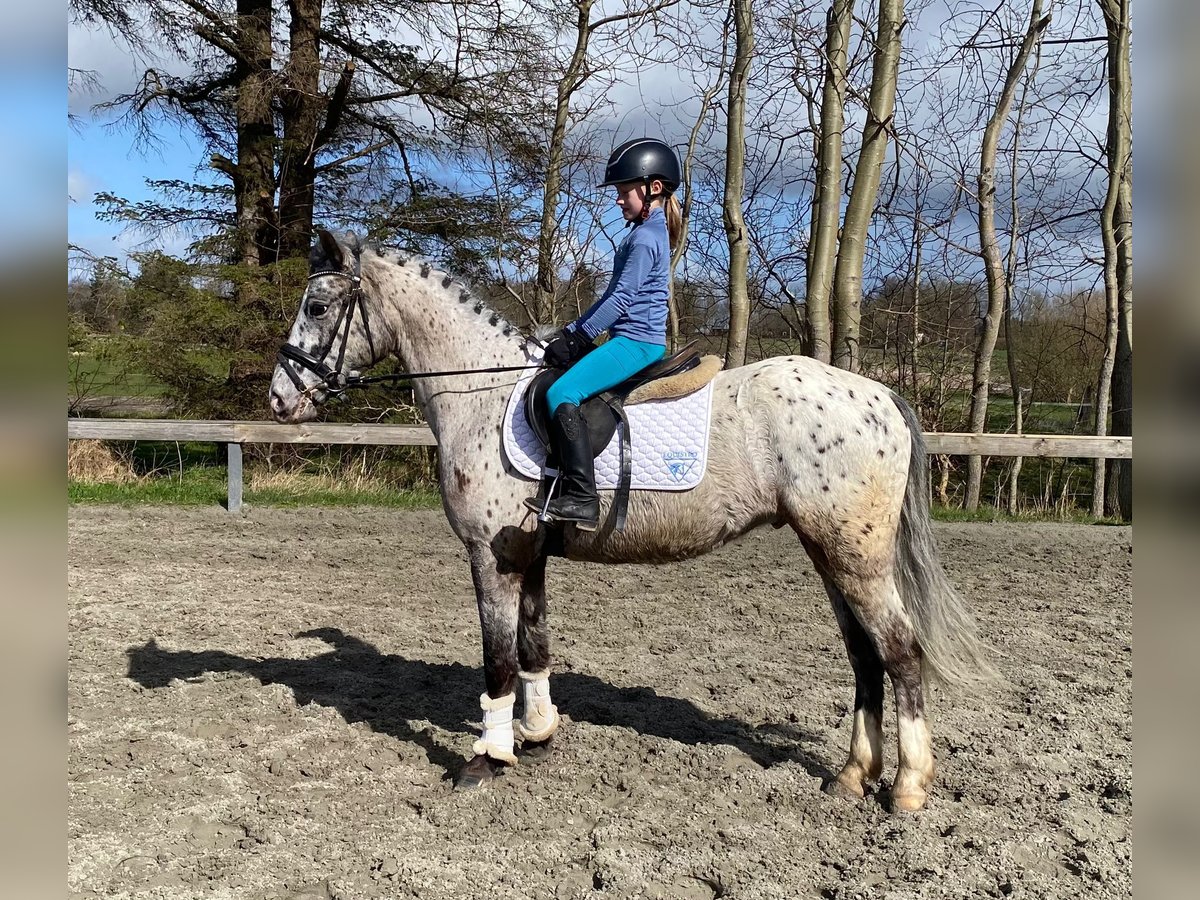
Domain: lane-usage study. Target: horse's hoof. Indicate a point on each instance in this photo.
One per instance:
(478, 773)
(536, 751)
(844, 789)
(913, 801)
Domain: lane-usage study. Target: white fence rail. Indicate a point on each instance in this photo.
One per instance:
(234, 434)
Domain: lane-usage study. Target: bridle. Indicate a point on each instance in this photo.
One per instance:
(333, 380)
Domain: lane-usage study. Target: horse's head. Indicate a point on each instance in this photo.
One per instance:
(331, 337)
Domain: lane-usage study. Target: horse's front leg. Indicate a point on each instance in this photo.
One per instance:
(498, 596)
(540, 719)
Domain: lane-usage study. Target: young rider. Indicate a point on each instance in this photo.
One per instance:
(633, 310)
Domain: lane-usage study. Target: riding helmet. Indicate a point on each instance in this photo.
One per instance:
(641, 160)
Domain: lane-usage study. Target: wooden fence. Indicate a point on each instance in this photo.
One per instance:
(234, 434)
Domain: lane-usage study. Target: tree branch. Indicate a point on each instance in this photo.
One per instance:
(224, 164)
(1006, 45)
(637, 14)
(334, 110)
(366, 151)
(220, 41)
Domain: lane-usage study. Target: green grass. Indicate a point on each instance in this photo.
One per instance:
(987, 513)
(92, 375)
(206, 486)
(1040, 418)
(110, 373)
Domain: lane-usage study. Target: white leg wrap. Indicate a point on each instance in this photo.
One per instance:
(540, 719)
(497, 739)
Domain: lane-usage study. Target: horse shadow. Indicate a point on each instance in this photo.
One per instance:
(389, 691)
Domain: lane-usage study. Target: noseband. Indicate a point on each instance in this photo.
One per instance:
(332, 378)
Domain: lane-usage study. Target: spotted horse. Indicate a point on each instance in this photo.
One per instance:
(834, 456)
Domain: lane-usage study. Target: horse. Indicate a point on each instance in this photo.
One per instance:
(835, 456)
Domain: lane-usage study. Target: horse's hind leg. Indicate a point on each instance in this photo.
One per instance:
(876, 604)
(540, 719)
(865, 764)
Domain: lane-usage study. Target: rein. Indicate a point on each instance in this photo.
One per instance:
(359, 380)
(333, 380)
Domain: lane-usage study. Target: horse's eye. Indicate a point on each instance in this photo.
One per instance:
(316, 308)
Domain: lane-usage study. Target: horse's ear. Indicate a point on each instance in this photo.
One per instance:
(328, 252)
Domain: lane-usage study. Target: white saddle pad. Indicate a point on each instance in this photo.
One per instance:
(669, 440)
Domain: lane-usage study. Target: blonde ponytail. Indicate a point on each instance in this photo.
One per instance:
(674, 213)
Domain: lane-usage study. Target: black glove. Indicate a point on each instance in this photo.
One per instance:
(567, 348)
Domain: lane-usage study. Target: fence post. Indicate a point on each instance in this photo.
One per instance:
(233, 452)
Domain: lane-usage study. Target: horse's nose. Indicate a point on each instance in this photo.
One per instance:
(277, 404)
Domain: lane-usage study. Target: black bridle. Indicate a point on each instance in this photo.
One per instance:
(333, 380)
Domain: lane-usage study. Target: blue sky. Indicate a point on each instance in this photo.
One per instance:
(103, 158)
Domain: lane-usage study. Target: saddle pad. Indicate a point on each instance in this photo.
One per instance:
(669, 438)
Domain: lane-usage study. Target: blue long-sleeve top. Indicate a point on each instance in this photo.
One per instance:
(634, 305)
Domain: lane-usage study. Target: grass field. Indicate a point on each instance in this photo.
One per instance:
(89, 375)
(106, 370)
(205, 486)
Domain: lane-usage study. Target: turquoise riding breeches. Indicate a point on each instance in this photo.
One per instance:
(608, 365)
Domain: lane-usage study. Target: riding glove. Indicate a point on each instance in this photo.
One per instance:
(567, 348)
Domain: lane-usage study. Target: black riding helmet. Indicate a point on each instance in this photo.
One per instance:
(643, 159)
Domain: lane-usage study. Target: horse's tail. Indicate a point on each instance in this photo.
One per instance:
(946, 630)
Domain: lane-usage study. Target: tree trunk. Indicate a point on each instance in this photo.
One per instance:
(680, 248)
(847, 278)
(572, 78)
(735, 173)
(915, 340)
(827, 201)
(1112, 484)
(301, 105)
(990, 249)
(1018, 410)
(1010, 337)
(254, 171)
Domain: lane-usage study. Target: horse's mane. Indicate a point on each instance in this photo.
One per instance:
(451, 285)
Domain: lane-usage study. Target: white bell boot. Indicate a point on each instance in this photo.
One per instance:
(497, 739)
(540, 719)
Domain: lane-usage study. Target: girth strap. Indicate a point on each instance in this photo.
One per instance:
(621, 496)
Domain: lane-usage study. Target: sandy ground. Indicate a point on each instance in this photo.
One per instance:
(271, 707)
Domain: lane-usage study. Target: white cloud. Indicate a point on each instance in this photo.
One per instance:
(116, 70)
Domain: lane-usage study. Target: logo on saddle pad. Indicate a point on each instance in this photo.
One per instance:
(680, 462)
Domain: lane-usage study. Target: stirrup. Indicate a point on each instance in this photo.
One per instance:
(542, 508)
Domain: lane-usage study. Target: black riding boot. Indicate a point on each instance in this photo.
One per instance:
(576, 501)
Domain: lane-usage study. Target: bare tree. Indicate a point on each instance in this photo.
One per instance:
(827, 198)
(1010, 281)
(689, 156)
(735, 176)
(848, 274)
(1116, 227)
(989, 245)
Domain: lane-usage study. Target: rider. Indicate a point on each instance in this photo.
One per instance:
(633, 310)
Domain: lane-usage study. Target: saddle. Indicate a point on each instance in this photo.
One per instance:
(606, 411)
